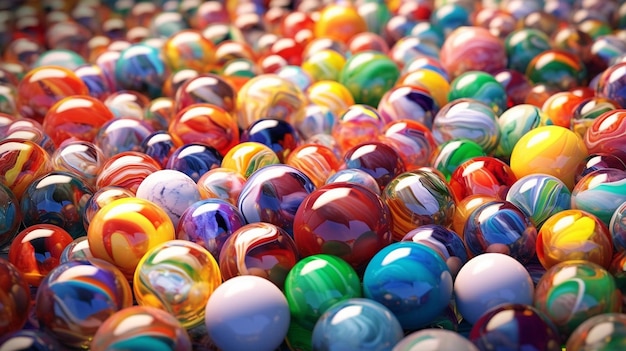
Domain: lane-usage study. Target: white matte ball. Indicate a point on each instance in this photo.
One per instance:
(489, 280)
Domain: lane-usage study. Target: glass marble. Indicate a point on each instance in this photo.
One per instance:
(451, 16)
(316, 119)
(355, 176)
(78, 249)
(140, 67)
(450, 154)
(194, 159)
(410, 279)
(205, 123)
(160, 146)
(81, 158)
(259, 320)
(408, 102)
(10, 215)
(574, 235)
(357, 324)
(330, 94)
(188, 49)
(324, 65)
(448, 244)
(539, 196)
(417, 198)
(29, 129)
(88, 291)
(221, 183)
(522, 45)
(269, 95)
(44, 86)
(76, 117)
(516, 85)
(368, 76)
(102, 197)
(606, 134)
(178, 277)
(249, 156)
(600, 193)
(21, 162)
(29, 339)
(93, 77)
(413, 141)
(584, 114)
(357, 124)
(479, 86)
(127, 103)
(574, 291)
(57, 198)
(558, 108)
(206, 88)
(611, 84)
(601, 332)
(15, 294)
(279, 135)
(467, 119)
(407, 48)
(433, 79)
(596, 161)
(301, 78)
(432, 339)
(617, 228)
(514, 123)
(551, 150)
(339, 22)
(316, 283)
(556, 67)
(159, 112)
(317, 162)
(122, 134)
(260, 249)
(140, 327)
(516, 326)
(127, 170)
(376, 158)
(123, 231)
(489, 280)
(472, 49)
(484, 175)
(342, 219)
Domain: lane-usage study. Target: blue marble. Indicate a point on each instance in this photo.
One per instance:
(194, 159)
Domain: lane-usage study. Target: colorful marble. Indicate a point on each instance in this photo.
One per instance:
(22, 161)
(10, 215)
(472, 49)
(539, 196)
(127, 170)
(102, 197)
(600, 193)
(376, 158)
(279, 135)
(601, 332)
(81, 158)
(606, 134)
(247, 157)
(355, 176)
(556, 67)
(413, 142)
(448, 244)
(484, 175)
(514, 123)
(408, 102)
(221, 183)
(433, 339)
(15, 294)
(480, 86)
(368, 76)
(194, 160)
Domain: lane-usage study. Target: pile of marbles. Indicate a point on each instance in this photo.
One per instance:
(313, 175)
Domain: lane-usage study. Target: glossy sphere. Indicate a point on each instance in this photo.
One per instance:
(516, 85)
(279, 135)
(368, 76)
(317, 162)
(29, 340)
(78, 249)
(247, 312)
(467, 119)
(10, 215)
(122, 134)
(339, 22)
(188, 49)
(194, 160)
(356, 324)
(606, 134)
(87, 293)
(514, 123)
(410, 279)
(15, 296)
(480, 86)
(539, 196)
(417, 198)
(81, 158)
(178, 277)
(594, 162)
(516, 326)
(36, 250)
(355, 176)
(483, 175)
(432, 339)
(601, 332)
(379, 160)
(412, 140)
(316, 119)
(551, 150)
(209, 223)
(433, 79)
(77, 117)
(269, 95)
(324, 64)
(247, 157)
(21, 162)
(408, 102)
(611, 84)
(172, 190)
(125, 229)
(160, 146)
(574, 235)
(57, 198)
(600, 193)
(444, 241)
(316, 283)
(273, 194)
(522, 45)
(44, 86)
(357, 124)
(140, 327)
(558, 68)
(571, 292)
(205, 123)
(472, 49)
(585, 113)
(450, 154)
(489, 280)
(617, 227)
(102, 197)
(260, 249)
(221, 183)
(330, 94)
(127, 170)
(29, 129)
(140, 67)
(342, 219)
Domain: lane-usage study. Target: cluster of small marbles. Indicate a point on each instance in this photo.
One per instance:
(313, 175)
